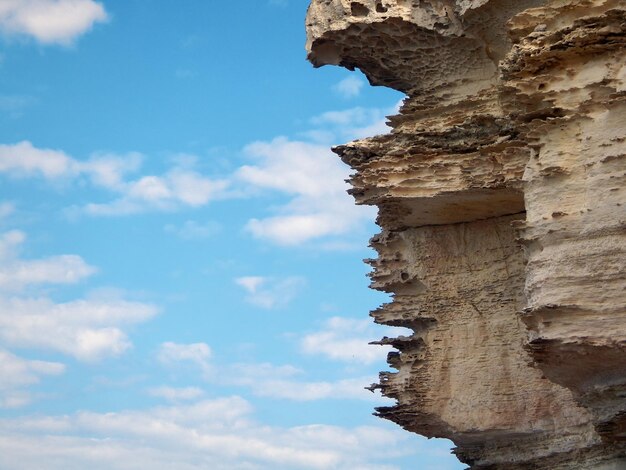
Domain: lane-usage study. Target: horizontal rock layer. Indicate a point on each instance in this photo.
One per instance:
(503, 219)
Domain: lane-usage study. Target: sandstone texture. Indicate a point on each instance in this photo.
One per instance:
(502, 207)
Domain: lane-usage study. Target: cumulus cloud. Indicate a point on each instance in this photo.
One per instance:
(192, 230)
(312, 176)
(16, 273)
(15, 105)
(285, 383)
(281, 382)
(180, 186)
(345, 389)
(196, 354)
(86, 329)
(23, 160)
(270, 293)
(9, 243)
(109, 170)
(315, 180)
(176, 394)
(17, 373)
(354, 123)
(50, 21)
(347, 340)
(307, 173)
(176, 188)
(65, 269)
(6, 209)
(349, 87)
(218, 434)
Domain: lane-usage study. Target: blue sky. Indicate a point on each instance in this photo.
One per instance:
(181, 284)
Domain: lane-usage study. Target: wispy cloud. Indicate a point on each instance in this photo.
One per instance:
(15, 105)
(313, 177)
(353, 123)
(340, 339)
(196, 354)
(16, 273)
(300, 390)
(16, 373)
(23, 159)
(305, 172)
(349, 87)
(177, 188)
(347, 340)
(50, 21)
(281, 382)
(6, 209)
(174, 394)
(180, 186)
(220, 434)
(87, 329)
(192, 230)
(270, 293)
(315, 180)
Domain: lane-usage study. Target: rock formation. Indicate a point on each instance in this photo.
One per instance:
(502, 207)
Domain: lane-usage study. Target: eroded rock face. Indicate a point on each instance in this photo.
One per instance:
(502, 204)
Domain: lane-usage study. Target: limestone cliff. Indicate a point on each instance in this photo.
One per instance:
(502, 207)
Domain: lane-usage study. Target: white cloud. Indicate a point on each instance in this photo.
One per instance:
(270, 293)
(354, 123)
(250, 283)
(50, 21)
(348, 118)
(350, 389)
(65, 269)
(197, 354)
(281, 382)
(177, 188)
(349, 87)
(16, 273)
(350, 124)
(109, 170)
(315, 179)
(346, 340)
(176, 394)
(17, 373)
(88, 330)
(294, 168)
(192, 230)
(251, 374)
(219, 434)
(9, 243)
(23, 159)
(289, 230)
(180, 186)
(6, 209)
(15, 105)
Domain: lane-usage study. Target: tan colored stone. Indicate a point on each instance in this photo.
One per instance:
(502, 204)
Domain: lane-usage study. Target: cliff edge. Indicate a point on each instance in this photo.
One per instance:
(502, 208)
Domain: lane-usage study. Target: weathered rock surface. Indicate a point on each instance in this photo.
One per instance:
(502, 203)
